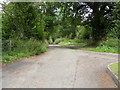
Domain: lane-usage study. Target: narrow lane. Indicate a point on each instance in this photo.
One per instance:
(60, 68)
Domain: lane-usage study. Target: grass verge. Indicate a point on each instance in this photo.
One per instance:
(102, 49)
(114, 68)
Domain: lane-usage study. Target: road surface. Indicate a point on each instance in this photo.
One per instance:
(60, 68)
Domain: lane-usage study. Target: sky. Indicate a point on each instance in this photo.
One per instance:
(1, 2)
(0, 5)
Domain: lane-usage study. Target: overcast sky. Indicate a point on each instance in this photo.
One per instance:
(1, 2)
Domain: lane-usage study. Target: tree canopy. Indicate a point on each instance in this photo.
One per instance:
(45, 20)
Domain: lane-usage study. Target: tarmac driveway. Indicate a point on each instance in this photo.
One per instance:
(60, 68)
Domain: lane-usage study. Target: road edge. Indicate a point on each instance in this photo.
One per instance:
(113, 76)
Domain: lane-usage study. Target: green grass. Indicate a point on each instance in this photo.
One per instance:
(102, 49)
(6, 58)
(114, 68)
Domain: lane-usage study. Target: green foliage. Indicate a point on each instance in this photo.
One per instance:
(71, 17)
(22, 20)
(22, 26)
(115, 22)
(24, 23)
(23, 48)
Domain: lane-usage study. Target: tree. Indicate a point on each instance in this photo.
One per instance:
(99, 18)
(71, 17)
(22, 20)
(115, 24)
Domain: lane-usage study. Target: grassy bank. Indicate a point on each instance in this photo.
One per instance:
(22, 48)
(108, 46)
(114, 67)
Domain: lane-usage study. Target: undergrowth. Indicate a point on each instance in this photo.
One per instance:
(109, 46)
(23, 48)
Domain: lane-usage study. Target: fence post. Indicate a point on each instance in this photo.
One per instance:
(10, 45)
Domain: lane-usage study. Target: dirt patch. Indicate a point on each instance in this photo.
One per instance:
(105, 80)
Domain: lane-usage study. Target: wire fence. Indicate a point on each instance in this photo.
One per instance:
(6, 45)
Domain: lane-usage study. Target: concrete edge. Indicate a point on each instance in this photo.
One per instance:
(114, 77)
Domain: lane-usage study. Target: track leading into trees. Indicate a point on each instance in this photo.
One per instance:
(60, 68)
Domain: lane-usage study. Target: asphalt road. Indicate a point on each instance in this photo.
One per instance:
(60, 68)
